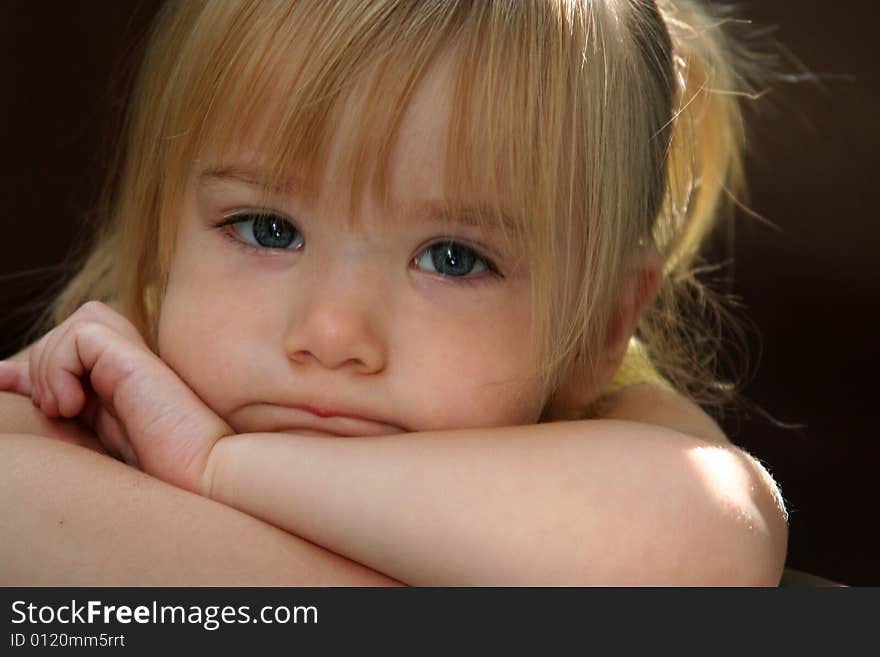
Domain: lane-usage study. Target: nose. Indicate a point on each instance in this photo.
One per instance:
(339, 326)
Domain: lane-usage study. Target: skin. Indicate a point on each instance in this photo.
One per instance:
(362, 327)
(353, 335)
(98, 522)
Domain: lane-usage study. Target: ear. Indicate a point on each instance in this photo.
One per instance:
(638, 289)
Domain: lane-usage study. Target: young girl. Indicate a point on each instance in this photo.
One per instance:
(372, 273)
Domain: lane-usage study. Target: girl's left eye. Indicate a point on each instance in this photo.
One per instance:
(266, 230)
(450, 258)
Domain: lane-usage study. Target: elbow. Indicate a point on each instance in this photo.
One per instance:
(768, 521)
(748, 520)
(758, 546)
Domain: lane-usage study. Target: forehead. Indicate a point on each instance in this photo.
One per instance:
(396, 154)
(420, 149)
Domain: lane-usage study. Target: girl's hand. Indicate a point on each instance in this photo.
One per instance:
(96, 367)
(18, 415)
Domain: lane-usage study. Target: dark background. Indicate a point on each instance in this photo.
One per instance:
(809, 287)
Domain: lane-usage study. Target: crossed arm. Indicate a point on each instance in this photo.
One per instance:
(89, 519)
(650, 494)
(72, 517)
(603, 502)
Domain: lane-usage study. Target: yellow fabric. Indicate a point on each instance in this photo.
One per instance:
(635, 368)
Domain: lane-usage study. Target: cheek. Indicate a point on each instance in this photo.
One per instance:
(474, 371)
(185, 331)
(207, 334)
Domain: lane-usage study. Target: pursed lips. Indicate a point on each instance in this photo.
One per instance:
(277, 418)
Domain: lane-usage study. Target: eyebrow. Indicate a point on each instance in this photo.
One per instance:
(472, 214)
(249, 175)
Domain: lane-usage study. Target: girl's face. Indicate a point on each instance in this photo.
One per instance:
(288, 316)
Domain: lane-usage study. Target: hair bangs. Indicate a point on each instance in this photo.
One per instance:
(282, 102)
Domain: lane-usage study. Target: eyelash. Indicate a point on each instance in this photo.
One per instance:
(227, 226)
(489, 274)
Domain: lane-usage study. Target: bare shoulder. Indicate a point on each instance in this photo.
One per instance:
(654, 404)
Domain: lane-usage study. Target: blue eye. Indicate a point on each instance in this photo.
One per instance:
(453, 259)
(267, 230)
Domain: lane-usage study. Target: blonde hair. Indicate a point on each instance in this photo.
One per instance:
(597, 127)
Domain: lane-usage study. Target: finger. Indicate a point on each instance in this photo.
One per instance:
(49, 385)
(104, 314)
(33, 370)
(15, 377)
(48, 400)
(71, 360)
(110, 359)
(52, 349)
(67, 392)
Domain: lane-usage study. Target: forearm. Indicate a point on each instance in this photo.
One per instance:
(73, 517)
(597, 502)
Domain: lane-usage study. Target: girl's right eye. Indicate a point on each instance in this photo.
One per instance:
(268, 231)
